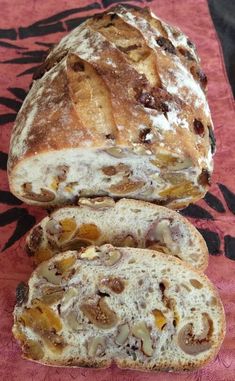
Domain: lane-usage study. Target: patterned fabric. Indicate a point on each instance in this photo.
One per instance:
(28, 29)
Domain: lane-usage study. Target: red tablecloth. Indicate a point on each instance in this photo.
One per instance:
(28, 28)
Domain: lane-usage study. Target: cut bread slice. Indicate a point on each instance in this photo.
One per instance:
(133, 307)
(127, 222)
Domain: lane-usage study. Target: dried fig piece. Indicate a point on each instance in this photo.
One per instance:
(113, 170)
(126, 186)
(99, 314)
(114, 284)
(191, 343)
(96, 346)
(141, 331)
(35, 240)
(22, 291)
(45, 196)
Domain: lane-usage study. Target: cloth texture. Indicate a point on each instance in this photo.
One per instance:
(28, 28)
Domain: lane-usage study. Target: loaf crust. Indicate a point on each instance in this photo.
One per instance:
(118, 108)
(137, 309)
(127, 222)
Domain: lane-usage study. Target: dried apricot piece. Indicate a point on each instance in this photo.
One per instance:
(65, 263)
(88, 231)
(42, 254)
(160, 319)
(69, 227)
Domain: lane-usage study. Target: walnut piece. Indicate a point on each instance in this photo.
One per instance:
(123, 332)
(97, 203)
(141, 331)
(96, 346)
(44, 196)
(113, 257)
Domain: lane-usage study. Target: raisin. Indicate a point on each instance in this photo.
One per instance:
(202, 78)
(166, 44)
(110, 136)
(155, 100)
(22, 291)
(186, 53)
(77, 66)
(34, 241)
(204, 178)
(146, 135)
(198, 127)
(190, 44)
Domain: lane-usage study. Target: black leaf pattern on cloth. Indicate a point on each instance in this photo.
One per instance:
(24, 60)
(10, 34)
(229, 197)
(10, 103)
(107, 3)
(11, 215)
(36, 30)
(3, 160)
(212, 240)
(24, 224)
(73, 23)
(61, 15)
(31, 70)
(6, 118)
(11, 46)
(18, 92)
(196, 211)
(229, 247)
(214, 202)
(8, 198)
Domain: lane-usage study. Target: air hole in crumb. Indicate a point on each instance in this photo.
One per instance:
(102, 294)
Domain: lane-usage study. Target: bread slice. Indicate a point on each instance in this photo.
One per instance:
(119, 109)
(130, 306)
(124, 223)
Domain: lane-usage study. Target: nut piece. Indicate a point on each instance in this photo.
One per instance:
(45, 196)
(128, 241)
(160, 233)
(50, 274)
(141, 331)
(22, 291)
(126, 186)
(90, 253)
(193, 344)
(160, 320)
(72, 320)
(97, 203)
(195, 283)
(35, 240)
(115, 152)
(52, 295)
(96, 346)
(123, 332)
(100, 314)
(114, 284)
(113, 257)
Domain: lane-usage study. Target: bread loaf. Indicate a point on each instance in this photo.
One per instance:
(118, 108)
(124, 223)
(130, 306)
